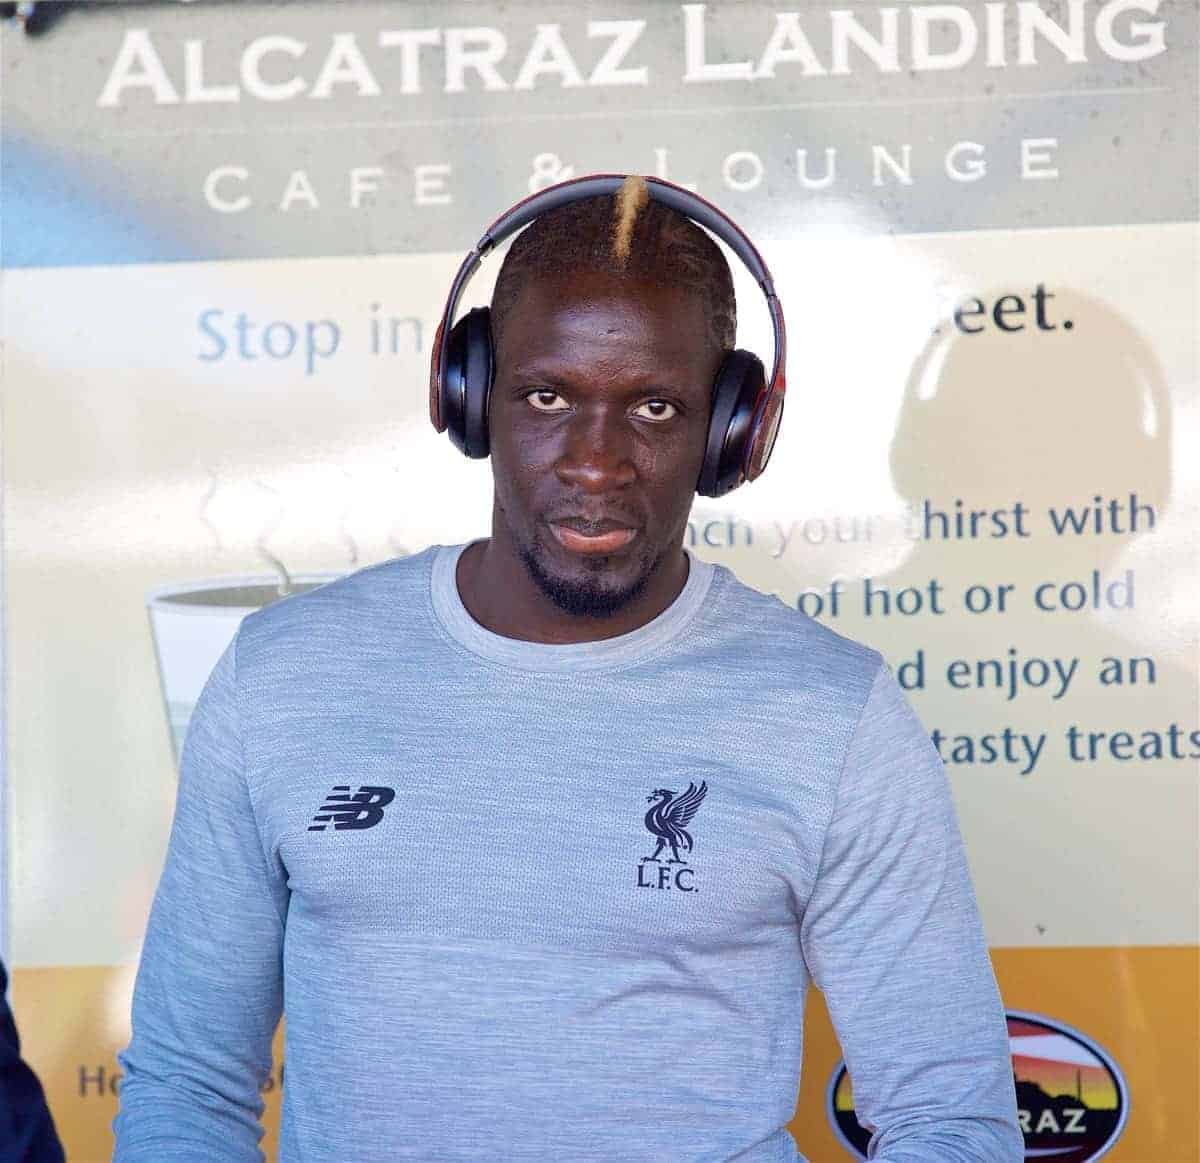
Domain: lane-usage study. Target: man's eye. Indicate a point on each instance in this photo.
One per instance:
(656, 410)
(543, 400)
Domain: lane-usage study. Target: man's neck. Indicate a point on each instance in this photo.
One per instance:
(500, 594)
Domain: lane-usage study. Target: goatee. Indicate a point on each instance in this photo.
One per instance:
(583, 598)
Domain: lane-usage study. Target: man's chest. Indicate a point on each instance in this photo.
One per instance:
(605, 830)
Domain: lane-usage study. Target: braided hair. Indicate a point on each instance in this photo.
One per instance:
(627, 235)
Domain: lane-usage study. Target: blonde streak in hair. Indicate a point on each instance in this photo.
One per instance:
(631, 197)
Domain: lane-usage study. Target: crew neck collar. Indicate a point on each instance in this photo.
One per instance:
(605, 654)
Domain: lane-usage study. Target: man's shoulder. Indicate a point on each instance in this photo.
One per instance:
(375, 600)
(777, 637)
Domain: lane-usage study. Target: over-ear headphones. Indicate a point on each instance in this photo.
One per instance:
(746, 405)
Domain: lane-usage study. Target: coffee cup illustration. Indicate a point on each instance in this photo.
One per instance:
(193, 622)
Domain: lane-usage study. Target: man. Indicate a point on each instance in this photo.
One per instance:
(540, 841)
(27, 1133)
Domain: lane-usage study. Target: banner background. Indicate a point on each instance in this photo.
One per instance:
(195, 393)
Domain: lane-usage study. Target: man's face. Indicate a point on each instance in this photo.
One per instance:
(598, 420)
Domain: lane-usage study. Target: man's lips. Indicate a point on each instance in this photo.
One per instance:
(582, 536)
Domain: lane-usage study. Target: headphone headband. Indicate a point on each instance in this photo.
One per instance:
(685, 202)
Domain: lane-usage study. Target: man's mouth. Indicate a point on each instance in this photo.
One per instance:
(583, 536)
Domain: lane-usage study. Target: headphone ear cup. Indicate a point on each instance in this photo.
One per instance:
(739, 385)
(467, 384)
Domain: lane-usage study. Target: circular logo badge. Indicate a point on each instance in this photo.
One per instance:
(1072, 1100)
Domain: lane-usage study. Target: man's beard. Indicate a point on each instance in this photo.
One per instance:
(587, 598)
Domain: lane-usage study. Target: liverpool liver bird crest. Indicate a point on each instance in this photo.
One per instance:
(669, 817)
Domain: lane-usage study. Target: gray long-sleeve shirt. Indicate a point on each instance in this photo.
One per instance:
(526, 901)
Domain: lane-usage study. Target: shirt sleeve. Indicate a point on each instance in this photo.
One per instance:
(209, 994)
(893, 939)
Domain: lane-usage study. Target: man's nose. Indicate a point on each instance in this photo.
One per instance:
(598, 453)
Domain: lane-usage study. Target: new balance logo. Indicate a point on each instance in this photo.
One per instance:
(363, 809)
